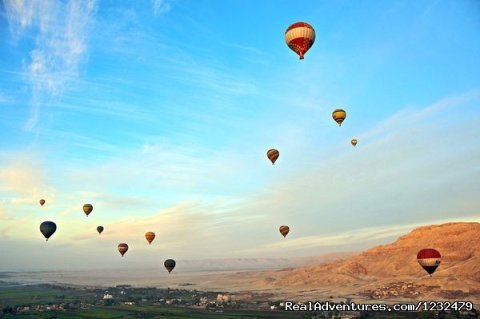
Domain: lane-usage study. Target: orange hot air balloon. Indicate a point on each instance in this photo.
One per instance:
(429, 259)
(300, 37)
(122, 248)
(150, 236)
(273, 155)
(284, 230)
(42, 201)
(354, 142)
(339, 115)
(87, 209)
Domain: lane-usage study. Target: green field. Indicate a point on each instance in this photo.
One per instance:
(121, 312)
(15, 295)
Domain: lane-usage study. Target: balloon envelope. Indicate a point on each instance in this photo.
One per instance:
(284, 230)
(339, 115)
(100, 229)
(48, 228)
(42, 201)
(169, 264)
(87, 209)
(429, 259)
(149, 236)
(122, 248)
(300, 37)
(354, 142)
(273, 155)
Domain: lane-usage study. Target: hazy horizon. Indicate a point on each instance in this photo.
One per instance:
(160, 114)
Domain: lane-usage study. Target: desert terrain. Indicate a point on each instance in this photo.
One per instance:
(387, 272)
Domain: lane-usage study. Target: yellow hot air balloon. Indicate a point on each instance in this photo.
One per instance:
(87, 209)
(150, 236)
(273, 155)
(339, 115)
(284, 230)
(354, 142)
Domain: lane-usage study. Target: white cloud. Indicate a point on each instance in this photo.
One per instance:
(3, 98)
(3, 214)
(160, 6)
(351, 238)
(25, 177)
(60, 44)
(20, 13)
(410, 116)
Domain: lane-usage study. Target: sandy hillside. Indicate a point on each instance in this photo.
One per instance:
(384, 272)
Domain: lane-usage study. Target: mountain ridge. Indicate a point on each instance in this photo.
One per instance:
(394, 264)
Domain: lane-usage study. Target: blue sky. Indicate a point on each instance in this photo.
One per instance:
(160, 113)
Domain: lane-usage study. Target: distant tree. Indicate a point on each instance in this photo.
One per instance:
(8, 309)
(426, 315)
(364, 314)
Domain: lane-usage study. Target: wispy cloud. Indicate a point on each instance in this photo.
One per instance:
(214, 78)
(60, 44)
(412, 116)
(160, 6)
(3, 214)
(11, 226)
(359, 197)
(102, 106)
(3, 98)
(186, 226)
(25, 177)
(164, 165)
(351, 238)
(79, 140)
(251, 54)
(114, 205)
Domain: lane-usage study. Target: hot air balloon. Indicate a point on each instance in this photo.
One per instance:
(300, 37)
(122, 248)
(100, 229)
(150, 236)
(429, 259)
(87, 209)
(339, 115)
(169, 264)
(48, 228)
(284, 230)
(273, 155)
(42, 201)
(354, 142)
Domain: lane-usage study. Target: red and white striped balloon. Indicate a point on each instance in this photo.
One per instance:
(300, 37)
(429, 259)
